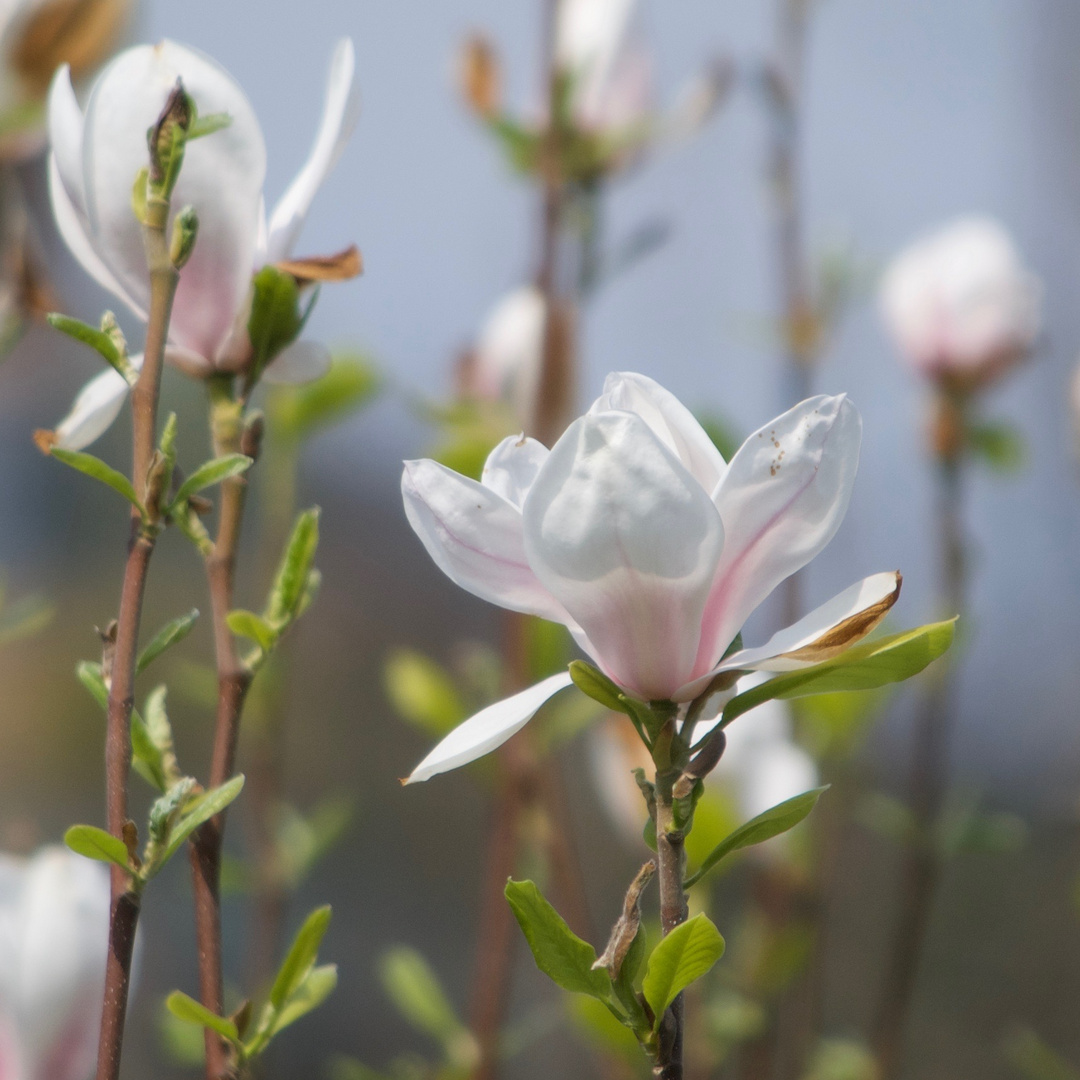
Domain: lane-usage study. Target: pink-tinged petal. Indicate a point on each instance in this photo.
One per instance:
(94, 410)
(300, 362)
(670, 420)
(340, 112)
(628, 541)
(512, 467)
(221, 178)
(475, 537)
(782, 499)
(488, 729)
(11, 1064)
(72, 227)
(65, 120)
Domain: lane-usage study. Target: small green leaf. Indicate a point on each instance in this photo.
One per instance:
(559, 953)
(301, 956)
(95, 843)
(254, 627)
(202, 126)
(97, 339)
(774, 821)
(423, 693)
(96, 468)
(208, 474)
(168, 635)
(416, 991)
(999, 444)
(863, 667)
(1035, 1060)
(200, 810)
(275, 319)
(316, 987)
(145, 756)
(686, 954)
(89, 674)
(293, 572)
(597, 685)
(187, 1008)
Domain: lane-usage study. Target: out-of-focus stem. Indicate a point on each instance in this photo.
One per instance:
(671, 865)
(234, 680)
(921, 872)
(124, 909)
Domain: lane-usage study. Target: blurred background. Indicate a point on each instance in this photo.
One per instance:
(914, 113)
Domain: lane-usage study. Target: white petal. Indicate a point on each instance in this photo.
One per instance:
(95, 408)
(72, 227)
(340, 112)
(489, 728)
(509, 351)
(301, 362)
(66, 134)
(628, 541)
(221, 178)
(853, 613)
(475, 537)
(782, 499)
(512, 467)
(670, 420)
(777, 771)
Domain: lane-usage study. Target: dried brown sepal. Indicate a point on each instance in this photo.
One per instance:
(480, 77)
(108, 651)
(627, 925)
(45, 440)
(341, 266)
(131, 842)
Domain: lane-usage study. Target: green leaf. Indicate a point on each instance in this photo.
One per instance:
(721, 434)
(200, 810)
(168, 635)
(416, 991)
(96, 468)
(202, 126)
(863, 667)
(248, 624)
(89, 674)
(776, 820)
(97, 339)
(24, 617)
(292, 576)
(686, 954)
(145, 756)
(317, 986)
(998, 444)
(1035, 1060)
(842, 1059)
(597, 685)
(422, 692)
(210, 473)
(559, 953)
(275, 319)
(297, 412)
(301, 956)
(187, 1008)
(97, 844)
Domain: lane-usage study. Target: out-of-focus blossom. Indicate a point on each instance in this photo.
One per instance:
(505, 364)
(36, 37)
(54, 927)
(652, 550)
(961, 305)
(97, 154)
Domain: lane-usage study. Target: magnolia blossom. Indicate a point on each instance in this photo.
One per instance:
(95, 158)
(634, 533)
(54, 927)
(960, 303)
(762, 766)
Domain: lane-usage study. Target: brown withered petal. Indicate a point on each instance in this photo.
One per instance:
(45, 440)
(481, 79)
(845, 634)
(338, 267)
(626, 927)
(81, 33)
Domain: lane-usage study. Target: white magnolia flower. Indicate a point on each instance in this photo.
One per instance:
(95, 157)
(960, 303)
(54, 928)
(653, 551)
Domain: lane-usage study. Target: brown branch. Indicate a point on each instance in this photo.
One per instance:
(671, 861)
(124, 907)
(234, 680)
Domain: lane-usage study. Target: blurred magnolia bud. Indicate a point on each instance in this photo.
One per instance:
(505, 363)
(54, 922)
(700, 99)
(480, 77)
(960, 305)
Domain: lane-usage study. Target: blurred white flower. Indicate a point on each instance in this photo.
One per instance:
(97, 154)
(635, 534)
(960, 304)
(54, 927)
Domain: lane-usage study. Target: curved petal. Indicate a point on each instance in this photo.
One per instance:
(475, 537)
(489, 728)
(221, 178)
(511, 468)
(670, 420)
(341, 109)
(65, 120)
(72, 227)
(95, 408)
(300, 362)
(628, 541)
(782, 499)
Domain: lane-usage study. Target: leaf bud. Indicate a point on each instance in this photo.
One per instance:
(184, 231)
(252, 435)
(166, 141)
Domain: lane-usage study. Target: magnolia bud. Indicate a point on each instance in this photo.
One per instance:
(184, 231)
(480, 77)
